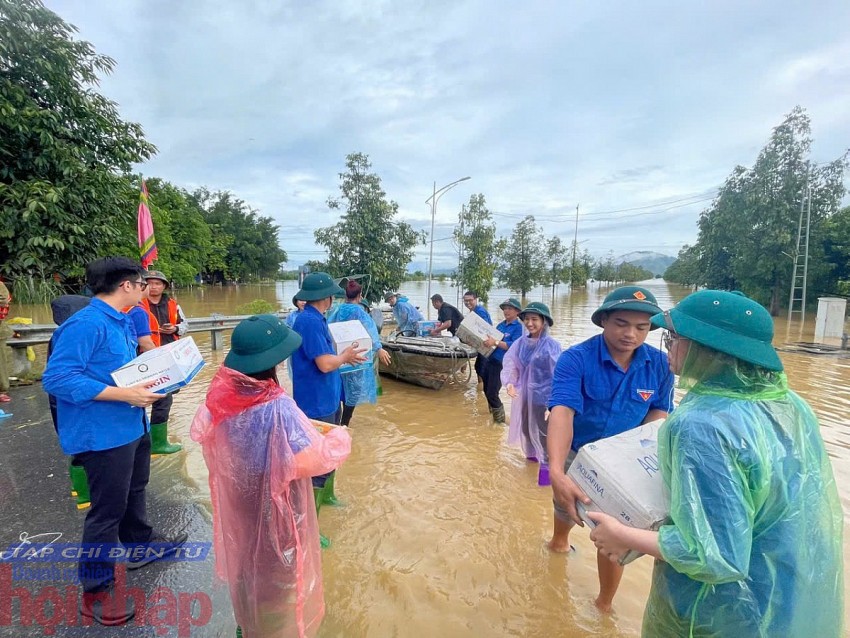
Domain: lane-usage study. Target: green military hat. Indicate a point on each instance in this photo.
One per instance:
(729, 322)
(316, 286)
(259, 343)
(511, 302)
(157, 274)
(627, 298)
(537, 308)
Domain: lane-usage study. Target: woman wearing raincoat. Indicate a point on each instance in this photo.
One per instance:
(360, 385)
(527, 372)
(261, 450)
(753, 546)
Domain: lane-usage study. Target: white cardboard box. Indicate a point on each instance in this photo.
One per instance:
(473, 330)
(172, 366)
(347, 333)
(622, 478)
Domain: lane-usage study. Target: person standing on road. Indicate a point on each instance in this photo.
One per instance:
(171, 325)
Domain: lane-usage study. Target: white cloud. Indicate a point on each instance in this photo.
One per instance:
(545, 105)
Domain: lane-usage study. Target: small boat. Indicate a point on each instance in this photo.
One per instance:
(428, 361)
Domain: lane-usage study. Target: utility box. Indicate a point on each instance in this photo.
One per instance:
(829, 325)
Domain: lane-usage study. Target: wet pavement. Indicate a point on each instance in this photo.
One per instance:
(35, 499)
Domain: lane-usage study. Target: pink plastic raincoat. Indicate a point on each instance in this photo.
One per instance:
(261, 451)
(529, 365)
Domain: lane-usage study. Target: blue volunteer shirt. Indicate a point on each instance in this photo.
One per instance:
(512, 332)
(608, 400)
(90, 345)
(317, 393)
(481, 311)
(141, 323)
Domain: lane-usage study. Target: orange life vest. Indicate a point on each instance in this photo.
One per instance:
(173, 317)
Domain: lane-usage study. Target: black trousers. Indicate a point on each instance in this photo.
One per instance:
(480, 366)
(161, 409)
(493, 383)
(117, 481)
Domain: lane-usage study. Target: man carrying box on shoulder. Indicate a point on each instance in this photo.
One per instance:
(105, 429)
(606, 385)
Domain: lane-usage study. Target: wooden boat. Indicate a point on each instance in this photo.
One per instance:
(428, 361)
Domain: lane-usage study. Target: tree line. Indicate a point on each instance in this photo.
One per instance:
(67, 192)
(527, 258)
(749, 235)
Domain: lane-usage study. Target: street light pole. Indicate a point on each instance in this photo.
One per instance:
(435, 197)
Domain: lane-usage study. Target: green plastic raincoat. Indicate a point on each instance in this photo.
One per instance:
(754, 547)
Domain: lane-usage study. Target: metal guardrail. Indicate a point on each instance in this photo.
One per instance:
(35, 334)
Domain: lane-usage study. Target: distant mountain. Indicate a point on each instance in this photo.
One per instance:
(656, 263)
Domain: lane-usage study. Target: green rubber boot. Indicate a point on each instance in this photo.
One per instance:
(159, 440)
(238, 631)
(79, 485)
(328, 496)
(319, 496)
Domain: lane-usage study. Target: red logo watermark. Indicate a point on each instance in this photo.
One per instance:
(51, 606)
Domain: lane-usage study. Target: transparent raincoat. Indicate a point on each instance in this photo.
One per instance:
(529, 365)
(261, 451)
(754, 547)
(359, 386)
(407, 316)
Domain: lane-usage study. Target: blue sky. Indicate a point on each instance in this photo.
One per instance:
(635, 111)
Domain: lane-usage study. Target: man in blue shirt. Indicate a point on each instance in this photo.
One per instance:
(105, 429)
(470, 300)
(511, 329)
(605, 385)
(316, 381)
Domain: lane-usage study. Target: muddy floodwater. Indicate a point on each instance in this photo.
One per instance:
(443, 528)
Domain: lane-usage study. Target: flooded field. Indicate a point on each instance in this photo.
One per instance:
(443, 530)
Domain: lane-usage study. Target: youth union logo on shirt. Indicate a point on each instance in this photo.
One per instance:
(645, 394)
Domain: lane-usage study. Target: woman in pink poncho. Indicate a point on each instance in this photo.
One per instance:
(527, 376)
(261, 451)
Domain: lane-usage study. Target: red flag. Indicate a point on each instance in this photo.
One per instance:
(147, 242)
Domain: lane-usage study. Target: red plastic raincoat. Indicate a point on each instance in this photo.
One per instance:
(261, 450)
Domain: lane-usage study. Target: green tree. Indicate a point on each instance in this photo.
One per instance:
(580, 266)
(475, 236)
(557, 262)
(748, 237)
(686, 269)
(183, 238)
(837, 252)
(524, 257)
(64, 151)
(367, 240)
(249, 241)
(605, 270)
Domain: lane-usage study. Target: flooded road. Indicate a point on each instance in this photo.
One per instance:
(443, 530)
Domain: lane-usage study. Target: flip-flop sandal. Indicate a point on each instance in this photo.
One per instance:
(5, 398)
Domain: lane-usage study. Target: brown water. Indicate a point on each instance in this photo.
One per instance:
(443, 530)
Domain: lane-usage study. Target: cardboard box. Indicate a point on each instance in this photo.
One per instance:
(172, 366)
(622, 478)
(347, 333)
(425, 327)
(473, 330)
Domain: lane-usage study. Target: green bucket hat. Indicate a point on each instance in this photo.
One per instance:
(627, 298)
(259, 343)
(729, 322)
(318, 285)
(538, 308)
(511, 302)
(157, 274)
